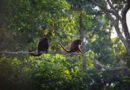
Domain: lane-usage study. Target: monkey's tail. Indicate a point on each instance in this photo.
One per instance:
(63, 47)
(34, 54)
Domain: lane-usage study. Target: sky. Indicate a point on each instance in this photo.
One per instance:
(128, 19)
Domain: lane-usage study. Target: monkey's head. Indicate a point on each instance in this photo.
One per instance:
(79, 42)
(45, 39)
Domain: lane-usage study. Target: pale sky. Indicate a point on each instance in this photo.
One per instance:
(128, 20)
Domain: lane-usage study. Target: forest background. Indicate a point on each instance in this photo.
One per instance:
(104, 65)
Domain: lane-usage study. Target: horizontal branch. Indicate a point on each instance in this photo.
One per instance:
(96, 63)
(27, 52)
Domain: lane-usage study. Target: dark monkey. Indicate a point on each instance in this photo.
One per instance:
(42, 47)
(75, 46)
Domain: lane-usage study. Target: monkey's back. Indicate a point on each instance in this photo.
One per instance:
(43, 45)
(74, 45)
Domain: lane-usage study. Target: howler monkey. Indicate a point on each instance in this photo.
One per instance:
(42, 46)
(74, 47)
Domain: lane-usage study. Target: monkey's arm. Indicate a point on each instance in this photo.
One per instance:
(80, 49)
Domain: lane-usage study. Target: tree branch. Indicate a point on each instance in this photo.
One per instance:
(117, 40)
(107, 10)
(124, 25)
(96, 63)
(110, 4)
(114, 22)
(49, 52)
(115, 12)
(123, 21)
(99, 5)
(125, 10)
(116, 25)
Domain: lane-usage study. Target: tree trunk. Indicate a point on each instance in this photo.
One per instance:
(82, 35)
(125, 27)
(127, 36)
(119, 18)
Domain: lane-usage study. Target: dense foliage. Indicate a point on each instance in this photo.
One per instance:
(25, 22)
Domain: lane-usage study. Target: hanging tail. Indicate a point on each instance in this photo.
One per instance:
(36, 54)
(63, 47)
(31, 52)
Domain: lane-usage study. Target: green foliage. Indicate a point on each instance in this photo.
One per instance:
(124, 85)
(33, 18)
(13, 75)
(89, 54)
(57, 72)
(58, 20)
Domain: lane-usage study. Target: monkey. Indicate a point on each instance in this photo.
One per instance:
(42, 47)
(74, 47)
